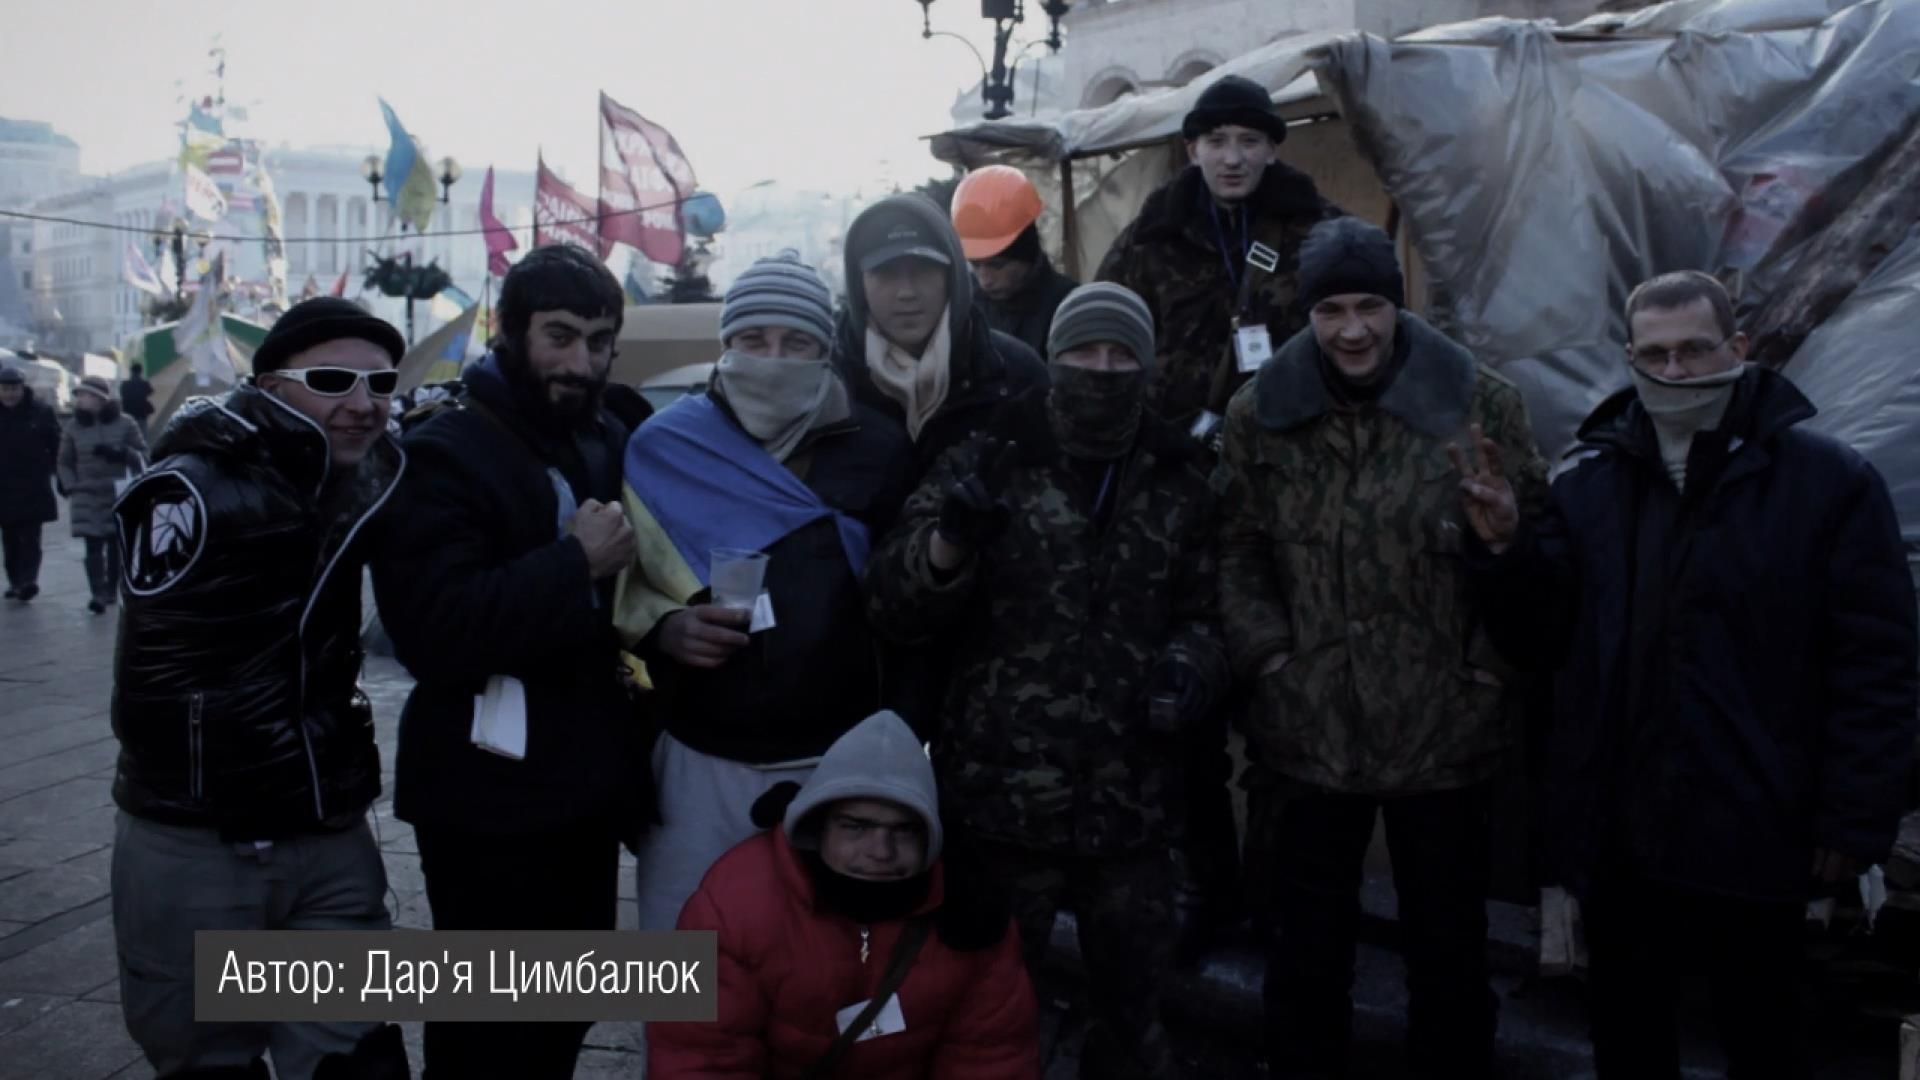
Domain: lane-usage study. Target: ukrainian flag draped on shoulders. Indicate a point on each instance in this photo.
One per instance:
(694, 482)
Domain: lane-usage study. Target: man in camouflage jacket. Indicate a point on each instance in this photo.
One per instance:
(1346, 600)
(1186, 252)
(1071, 547)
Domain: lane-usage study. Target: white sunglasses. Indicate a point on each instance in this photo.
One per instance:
(339, 381)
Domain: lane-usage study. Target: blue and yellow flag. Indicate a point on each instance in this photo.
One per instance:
(409, 179)
(695, 482)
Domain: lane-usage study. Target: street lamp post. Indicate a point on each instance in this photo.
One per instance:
(996, 83)
(399, 277)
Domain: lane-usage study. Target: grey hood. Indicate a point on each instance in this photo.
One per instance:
(880, 758)
(959, 275)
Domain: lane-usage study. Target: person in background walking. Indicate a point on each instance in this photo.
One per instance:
(102, 448)
(136, 397)
(29, 444)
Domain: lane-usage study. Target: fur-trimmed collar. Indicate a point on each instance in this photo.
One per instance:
(1024, 421)
(1175, 209)
(1433, 392)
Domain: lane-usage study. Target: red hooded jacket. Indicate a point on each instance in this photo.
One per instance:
(786, 968)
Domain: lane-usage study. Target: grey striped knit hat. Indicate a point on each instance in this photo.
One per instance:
(778, 291)
(1100, 312)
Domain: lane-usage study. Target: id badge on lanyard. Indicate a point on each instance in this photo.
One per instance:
(1253, 345)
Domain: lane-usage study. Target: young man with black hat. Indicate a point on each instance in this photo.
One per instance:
(521, 763)
(1377, 691)
(247, 758)
(1213, 253)
(29, 447)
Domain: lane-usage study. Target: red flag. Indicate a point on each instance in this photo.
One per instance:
(565, 215)
(499, 238)
(643, 178)
(340, 287)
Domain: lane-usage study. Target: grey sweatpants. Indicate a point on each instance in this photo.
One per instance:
(170, 881)
(706, 806)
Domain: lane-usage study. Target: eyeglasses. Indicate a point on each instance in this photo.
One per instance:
(1688, 354)
(339, 381)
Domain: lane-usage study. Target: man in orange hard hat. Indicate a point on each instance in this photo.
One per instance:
(995, 210)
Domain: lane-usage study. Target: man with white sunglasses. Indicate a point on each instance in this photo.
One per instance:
(247, 757)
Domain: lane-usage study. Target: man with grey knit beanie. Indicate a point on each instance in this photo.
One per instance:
(775, 458)
(1071, 544)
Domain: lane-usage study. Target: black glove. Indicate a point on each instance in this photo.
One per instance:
(116, 454)
(1176, 697)
(972, 513)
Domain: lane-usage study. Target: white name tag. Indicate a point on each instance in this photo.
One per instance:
(888, 1021)
(762, 614)
(1253, 346)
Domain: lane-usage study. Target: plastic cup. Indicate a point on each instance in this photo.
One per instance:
(736, 576)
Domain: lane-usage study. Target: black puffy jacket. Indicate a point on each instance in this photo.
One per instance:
(236, 692)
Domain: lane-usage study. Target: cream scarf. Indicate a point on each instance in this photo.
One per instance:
(1681, 408)
(919, 383)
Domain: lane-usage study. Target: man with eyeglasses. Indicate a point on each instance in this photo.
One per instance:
(247, 756)
(776, 458)
(520, 762)
(851, 943)
(1726, 597)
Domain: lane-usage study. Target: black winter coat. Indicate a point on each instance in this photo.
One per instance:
(236, 697)
(1028, 316)
(136, 398)
(29, 444)
(804, 683)
(474, 580)
(1737, 682)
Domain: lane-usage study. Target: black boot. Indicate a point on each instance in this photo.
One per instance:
(28, 592)
(381, 1054)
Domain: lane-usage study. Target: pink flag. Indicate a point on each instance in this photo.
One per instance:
(499, 238)
(643, 179)
(565, 215)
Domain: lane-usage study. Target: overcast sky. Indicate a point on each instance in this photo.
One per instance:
(819, 93)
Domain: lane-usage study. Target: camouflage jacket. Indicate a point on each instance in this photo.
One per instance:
(1056, 628)
(1172, 256)
(1341, 551)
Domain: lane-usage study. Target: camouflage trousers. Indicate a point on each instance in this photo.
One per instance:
(1124, 910)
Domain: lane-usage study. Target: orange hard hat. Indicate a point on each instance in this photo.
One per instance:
(991, 208)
